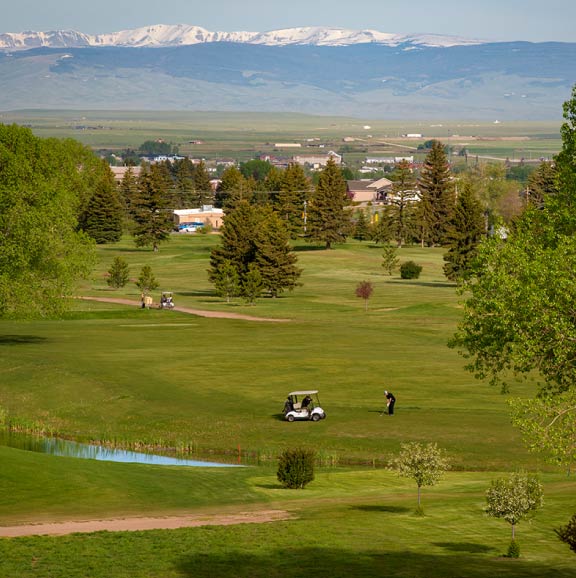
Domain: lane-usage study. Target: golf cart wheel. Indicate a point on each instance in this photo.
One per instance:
(290, 418)
(316, 417)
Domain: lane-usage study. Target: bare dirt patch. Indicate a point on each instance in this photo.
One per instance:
(198, 312)
(138, 524)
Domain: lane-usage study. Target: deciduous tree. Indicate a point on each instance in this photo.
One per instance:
(424, 463)
(43, 185)
(514, 499)
(519, 308)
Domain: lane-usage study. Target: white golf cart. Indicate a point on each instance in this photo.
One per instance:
(303, 405)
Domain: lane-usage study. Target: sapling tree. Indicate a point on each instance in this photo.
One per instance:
(364, 290)
(226, 280)
(118, 274)
(390, 260)
(424, 463)
(147, 281)
(514, 499)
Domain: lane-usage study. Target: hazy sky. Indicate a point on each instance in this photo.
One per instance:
(534, 20)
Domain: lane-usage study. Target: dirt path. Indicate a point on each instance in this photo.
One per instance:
(198, 312)
(136, 524)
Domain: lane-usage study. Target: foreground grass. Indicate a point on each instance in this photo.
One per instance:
(347, 523)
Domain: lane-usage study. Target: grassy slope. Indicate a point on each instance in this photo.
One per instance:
(168, 378)
(119, 372)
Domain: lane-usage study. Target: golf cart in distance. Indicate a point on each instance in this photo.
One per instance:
(166, 301)
(303, 405)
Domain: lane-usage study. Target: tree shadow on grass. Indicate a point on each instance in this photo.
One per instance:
(298, 561)
(422, 283)
(21, 339)
(305, 248)
(469, 547)
(382, 508)
(198, 293)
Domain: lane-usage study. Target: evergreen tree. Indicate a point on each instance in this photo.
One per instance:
(152, 215)
(232, 189)
(118, 274)
(361, 228)
(237, 240)
(294, 190)
(203, 193)
(465, 230)
(390, 259)
(380, 232)
(253, 285)
(184, 194)
(103, 216)
(328, 219)
(274, 258)
(436, 196)
(273, 185)
(129, 193)
(542, 182)
(147, 281)
(402, 209)
(226, 280)
(255, 237)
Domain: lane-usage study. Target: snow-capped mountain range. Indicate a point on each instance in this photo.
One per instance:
(163, 35)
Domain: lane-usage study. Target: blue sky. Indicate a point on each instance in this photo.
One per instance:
(533, 20)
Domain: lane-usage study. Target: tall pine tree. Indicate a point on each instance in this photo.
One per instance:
(274, 259)
(328, 218)
(103, 216)
(153, 216)
(465, 230)
(436, 196)
(401, 212)
(294, 191)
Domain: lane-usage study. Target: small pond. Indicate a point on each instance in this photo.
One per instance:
(60, 447)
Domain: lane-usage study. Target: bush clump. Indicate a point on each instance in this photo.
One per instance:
(410, 270)
(513, 550)
(295, 468)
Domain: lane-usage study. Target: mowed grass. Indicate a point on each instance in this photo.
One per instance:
(122, 374)
(345, 523)
(118, 373)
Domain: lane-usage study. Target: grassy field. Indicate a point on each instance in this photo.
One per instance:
(244, 135)
(168, 379)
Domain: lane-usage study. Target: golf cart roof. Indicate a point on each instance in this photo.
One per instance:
(305, 392)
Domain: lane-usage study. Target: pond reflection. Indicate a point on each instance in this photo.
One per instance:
(60, 447)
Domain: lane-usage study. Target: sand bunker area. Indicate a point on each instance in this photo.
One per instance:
(140, 524)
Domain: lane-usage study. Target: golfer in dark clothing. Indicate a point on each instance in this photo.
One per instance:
(390, 401)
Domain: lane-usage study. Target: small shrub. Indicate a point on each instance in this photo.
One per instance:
(410, 270)
(206, 228)
(568, 533)
(296, 468)
(513, 550)
(419, 511)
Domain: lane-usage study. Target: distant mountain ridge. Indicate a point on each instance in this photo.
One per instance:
(164, 35)
(325, 71)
